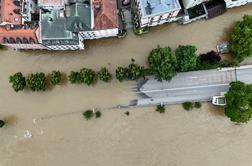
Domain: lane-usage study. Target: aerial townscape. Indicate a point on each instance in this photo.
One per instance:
(125, 82)
(66, 24)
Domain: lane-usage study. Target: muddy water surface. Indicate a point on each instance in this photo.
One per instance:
(145, 138)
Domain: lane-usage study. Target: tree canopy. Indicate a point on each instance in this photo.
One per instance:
(186, 57)
(162, 62)
(122, 73)
(87, 76)
(239, 102)
(55, 78)
(104, 75)
(135, 71)
(18, 81)
(37, 82)
(241, 38)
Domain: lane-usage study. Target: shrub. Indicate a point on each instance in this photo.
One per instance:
(160, 108)
(55, 78)
(186, 57)
(162, 62)
(104, 75)
(74, 77)
(211, 58)
(88, 114)
(188, 106)
(127, 113)
(18, 82)
(122, 73)
(197, 105)
(87, 76)
(135, 71)
(98, 114)
(241, 41)
(2, 123)
(37, 82)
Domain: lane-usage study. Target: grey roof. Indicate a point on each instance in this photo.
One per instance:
(54, 30)
(155, 7)
(80, 17)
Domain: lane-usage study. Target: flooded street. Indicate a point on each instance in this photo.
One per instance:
(60, 136)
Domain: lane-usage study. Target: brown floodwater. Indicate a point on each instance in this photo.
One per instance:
(60, 136)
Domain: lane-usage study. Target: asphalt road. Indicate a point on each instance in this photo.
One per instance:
(192, 86)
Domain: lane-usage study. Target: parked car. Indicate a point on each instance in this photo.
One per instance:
(223, 47)
(219, 100)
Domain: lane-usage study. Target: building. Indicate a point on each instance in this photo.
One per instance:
(105, 20)
(235, 3)
(191, 3)
(56, 24)
(156, 12)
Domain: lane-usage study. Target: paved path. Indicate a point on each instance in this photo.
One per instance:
(192, 86)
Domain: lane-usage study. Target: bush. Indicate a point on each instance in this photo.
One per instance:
(188, 106)
(104, 75)
(162, 62)
(87, 76)
(74, 77)
(241, 41)
(2, 123)
(197, 105)
(37, 82)
(135, 71)
(160, 108)
(88, 114)
(211, 58)
(18, 82)
(98, 114)
(186, 57)
(127, 113)
(122, 73)
(55, 78)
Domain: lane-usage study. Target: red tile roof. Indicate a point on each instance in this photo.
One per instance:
(7, 14)
(105, 14)
(18, 33)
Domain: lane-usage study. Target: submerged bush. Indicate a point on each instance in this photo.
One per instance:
(197, 105)
(37, 82)
(88, 114)
(187, 106)
(2, 123)
(104, 75)
(160, 108)
(55, 78)
(18, 81)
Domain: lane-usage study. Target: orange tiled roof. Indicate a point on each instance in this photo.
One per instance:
(18, 33)
(105, 14)
(7, 14)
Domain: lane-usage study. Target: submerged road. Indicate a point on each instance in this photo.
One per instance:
(191, 86)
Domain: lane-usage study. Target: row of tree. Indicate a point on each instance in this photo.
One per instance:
(36, 81)
(163, 65)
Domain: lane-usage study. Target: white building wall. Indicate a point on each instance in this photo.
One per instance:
(99, 34)
(191, 3)
(232, 3)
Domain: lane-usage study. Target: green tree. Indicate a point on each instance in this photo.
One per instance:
(104, 75)
(55, 78)
(162, 62)
(74, 77)
(2, 123)
(135, 71)
(197, 105)
(88, 114)
(241, 38)
(186, 58)
(187, 106)
(239, 102)
(87, 76)
(18, 81)
(122, 73)
(37, 82)
(160, 108)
